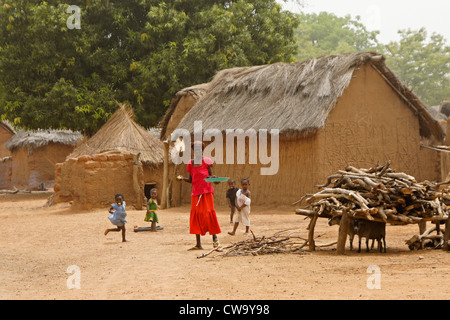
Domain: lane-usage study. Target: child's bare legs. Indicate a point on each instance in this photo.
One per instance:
(236, 224)
(232, 208)
(153, 228)
(247, 229)
(117, 230)
(123, 233)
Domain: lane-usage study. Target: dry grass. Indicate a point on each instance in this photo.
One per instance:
(122, 133)
(40, 138)
(295, 98)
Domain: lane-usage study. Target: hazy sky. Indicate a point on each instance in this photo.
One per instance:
(386, 16)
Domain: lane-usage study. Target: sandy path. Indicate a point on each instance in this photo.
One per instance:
(38, 244)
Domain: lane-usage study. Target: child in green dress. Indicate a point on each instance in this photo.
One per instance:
(152, 207)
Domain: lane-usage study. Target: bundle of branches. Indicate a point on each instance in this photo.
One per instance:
(286, 241)
(378, 194)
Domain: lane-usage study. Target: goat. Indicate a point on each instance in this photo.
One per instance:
(370, 230)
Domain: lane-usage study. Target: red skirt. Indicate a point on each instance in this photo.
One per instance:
(203, 217)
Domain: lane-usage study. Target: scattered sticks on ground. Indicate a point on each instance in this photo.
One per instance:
(287, 241)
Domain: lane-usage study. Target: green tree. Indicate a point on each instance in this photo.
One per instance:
(422, 63)
(326, 34)
(54, 77)
(190, 40)
(136, 51)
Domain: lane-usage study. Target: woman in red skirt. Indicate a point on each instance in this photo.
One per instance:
(203, 217)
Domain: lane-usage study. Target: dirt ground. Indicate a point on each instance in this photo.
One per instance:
(39, 244)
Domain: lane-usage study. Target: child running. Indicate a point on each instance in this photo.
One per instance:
(152, 206)
(117, 216)
(243, 202)
(231, 197)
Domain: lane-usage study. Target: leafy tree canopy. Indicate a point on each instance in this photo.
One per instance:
(136, 51)
(326, 34)
(422, 63)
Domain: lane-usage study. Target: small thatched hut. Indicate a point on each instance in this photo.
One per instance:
(331, 112)
(122, 157)
(35, 154)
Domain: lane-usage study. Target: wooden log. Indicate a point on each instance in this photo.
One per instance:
(311, 227)
(384, 169)
(382, 214)
(10, 191)
(165, 188)
(446, 235)
(136, 183)
(342, 237)
(305, 212)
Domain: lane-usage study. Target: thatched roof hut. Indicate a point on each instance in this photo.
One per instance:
(35, 154)
(181, 104)
(122, 157)
(332, 111)
(122, 133)
(32, 140)
(295, 98)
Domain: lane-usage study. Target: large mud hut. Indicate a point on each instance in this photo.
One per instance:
(122, 157)
(331, 112)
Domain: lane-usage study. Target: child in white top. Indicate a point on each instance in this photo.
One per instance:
(117, 216)
(243, 202)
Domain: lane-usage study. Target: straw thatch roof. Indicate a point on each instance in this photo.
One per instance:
(197, 92)
(294, 98)
(40, 138)
(445, 107)
(7, 126)
(435, 111)
(122, 133)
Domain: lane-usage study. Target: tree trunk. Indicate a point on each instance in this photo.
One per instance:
(165, 191)
(136, 185)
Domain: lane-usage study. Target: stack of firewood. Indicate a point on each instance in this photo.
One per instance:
(378, 194)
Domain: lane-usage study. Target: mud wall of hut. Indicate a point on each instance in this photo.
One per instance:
(369, 125)
(296, 158)
(32, 167)
(445, 156)
(5, 135)
(92, 181)
(5, 172)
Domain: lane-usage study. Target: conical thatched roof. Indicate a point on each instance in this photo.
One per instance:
(294, 98)
(122, 133)
(40, 138)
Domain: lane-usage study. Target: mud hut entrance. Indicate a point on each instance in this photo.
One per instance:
(147, 188)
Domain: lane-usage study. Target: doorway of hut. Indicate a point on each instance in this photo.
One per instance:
(147, 188)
